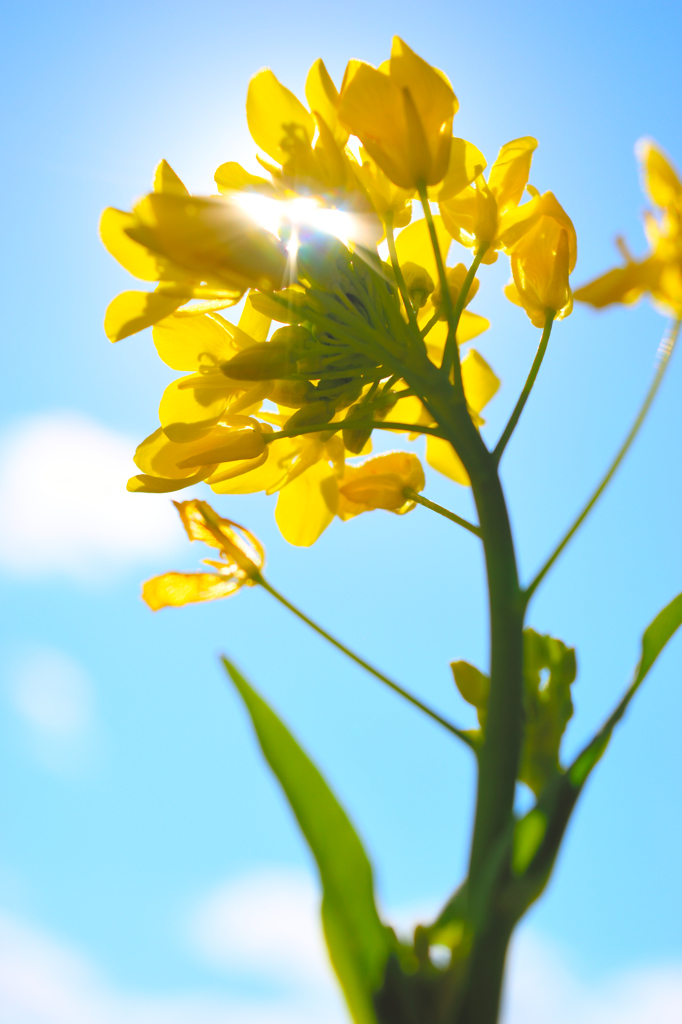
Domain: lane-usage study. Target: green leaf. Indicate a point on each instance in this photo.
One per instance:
(656, 636)
(547, 704)
(359, 944)
(557, 801)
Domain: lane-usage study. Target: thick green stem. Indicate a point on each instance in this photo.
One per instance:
(665, 351)
(528, 387)
(460, 733)
(499, 756)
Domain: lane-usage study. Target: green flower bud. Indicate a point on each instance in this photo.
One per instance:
(419, 283)
(315, 413)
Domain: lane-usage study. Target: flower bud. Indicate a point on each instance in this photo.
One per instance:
(311, 415)
(292, 394)
(241, 444)
(355, 438)
(382, 490)
(267, 360)
(419, 283)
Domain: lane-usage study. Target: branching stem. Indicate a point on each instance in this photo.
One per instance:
(527, 388)
(665, 351)
(421, 500)
(460, 733)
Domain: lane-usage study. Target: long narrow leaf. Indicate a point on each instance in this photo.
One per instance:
(359, 944)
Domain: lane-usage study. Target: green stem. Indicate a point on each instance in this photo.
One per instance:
(527, 388)
(665, 351)
(431, 323)
(420, 500)
(411, 428)
(458, 308)
(395, 263)
(460, 733)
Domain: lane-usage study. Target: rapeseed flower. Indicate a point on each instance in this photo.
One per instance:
(241, 558)
(659, 273)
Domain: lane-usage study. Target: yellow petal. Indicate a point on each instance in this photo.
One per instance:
(479, 381)
(232, 177)
(465, 164)
(435, 106)
(158, 456)
(371, 107)
(323, 98)
(307, 505)
(254, 324)
(660, 177)
(255, 475)
(470, 326)
(413, 245)
(195, 342)
(277, 119)
(166, 180)
(238, 445)
(509, 174)
(441, 455)
(212, 238)
(379, 482)
(623, 284)
(156, 485)
(174, 589)
(188, 411)
(131, 312)
(136, 258)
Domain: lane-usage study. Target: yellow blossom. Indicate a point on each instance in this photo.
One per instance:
(241, 559)
(478, 214)
(540, 267)
(195, 249)
(380, 482)
(660, 272)
(402, 113)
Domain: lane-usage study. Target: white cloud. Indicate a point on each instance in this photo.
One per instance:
(264, 927)
(544, 987)
(43, 981)
(52, 695)
(265, 922)
(64, 508)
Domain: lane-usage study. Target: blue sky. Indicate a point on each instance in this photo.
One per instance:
(136, 812)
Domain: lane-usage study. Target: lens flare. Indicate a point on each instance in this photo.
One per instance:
(291, 217)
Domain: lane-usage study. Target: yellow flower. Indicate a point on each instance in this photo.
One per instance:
(210, 238)
(478, 214)
(241, 559)
(309, 145)
(206, 249)
(169, 466)
(402, 113)
(659, 273)
(193, 405)
(540, 265)
(380, 482)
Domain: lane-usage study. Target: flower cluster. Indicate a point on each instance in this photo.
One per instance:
(311, 245)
